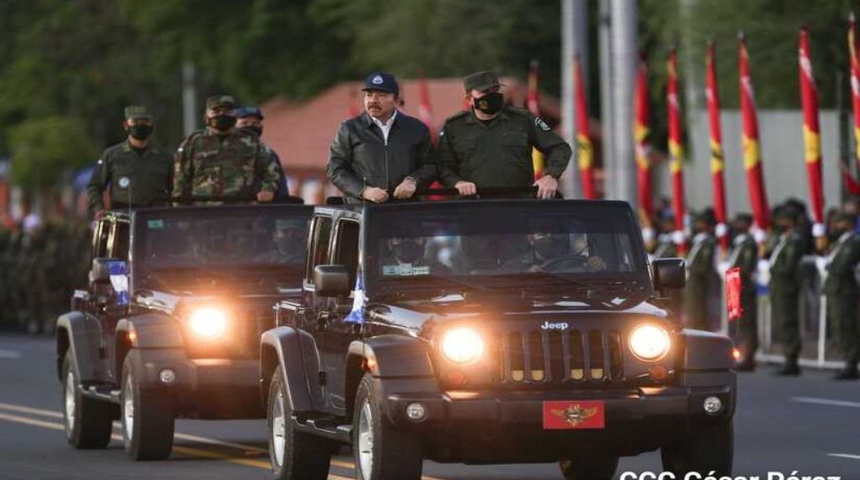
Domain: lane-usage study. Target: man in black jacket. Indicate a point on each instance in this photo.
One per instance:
(381, 153)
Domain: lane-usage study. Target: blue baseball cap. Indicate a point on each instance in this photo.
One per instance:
(245, 112)
(383, 82)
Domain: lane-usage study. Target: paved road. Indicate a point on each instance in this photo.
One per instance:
(809, 425)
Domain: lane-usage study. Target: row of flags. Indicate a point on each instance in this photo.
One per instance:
(750, 136)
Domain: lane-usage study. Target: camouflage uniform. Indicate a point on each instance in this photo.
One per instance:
(213, 163)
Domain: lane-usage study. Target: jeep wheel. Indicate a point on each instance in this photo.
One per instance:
(381, 452)
(88, 422)
(146, 417)
(705, 449)
(294, 455)
(593, 468)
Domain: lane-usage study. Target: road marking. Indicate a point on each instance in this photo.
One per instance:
(193, 452)
(10, 354)
(825, 401)
(844, 455)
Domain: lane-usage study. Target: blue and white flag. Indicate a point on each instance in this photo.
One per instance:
(118, 270)
(359, 302)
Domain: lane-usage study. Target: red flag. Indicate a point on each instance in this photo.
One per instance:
(584, 147)
(352, 109)
(425, 111)
(533, 105)
(717, 162)
(676, 150)
(811, 133)
(750, 142)
(642, 136)
(852, 185)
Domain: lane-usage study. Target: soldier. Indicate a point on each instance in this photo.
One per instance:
(222, 161)
(841, 289)
(289, 237)
(785, 286)
(744, 255)
(701, 273)
(491, 144)
(251, 119)
(383, 152)
(137, 172)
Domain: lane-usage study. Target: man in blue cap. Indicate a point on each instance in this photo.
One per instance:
(250, 119)
(381, 153)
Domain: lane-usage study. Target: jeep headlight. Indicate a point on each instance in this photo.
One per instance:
(649, 342)
(208, 322)
(462, 345)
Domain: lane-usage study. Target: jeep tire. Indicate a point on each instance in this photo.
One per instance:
(294, 455)
(591, 468)
(381, 451)
(146, 415)
(88, 422)
(703, 449)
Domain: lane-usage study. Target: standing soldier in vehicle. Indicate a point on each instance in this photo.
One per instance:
(700, 266)
(251, 119)
(383, 152)
(744, 255)
(221, 161)
(137, 172)
(491, 144)
(785, 287)
(841, 290)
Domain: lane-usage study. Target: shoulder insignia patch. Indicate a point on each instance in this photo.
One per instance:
(541, 124)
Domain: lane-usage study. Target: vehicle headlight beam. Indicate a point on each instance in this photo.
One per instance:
(208, 322)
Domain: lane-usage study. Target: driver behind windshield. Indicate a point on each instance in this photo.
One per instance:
(407, 256)
(288, 242)
(556, 252)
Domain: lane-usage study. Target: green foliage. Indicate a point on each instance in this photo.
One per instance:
(42, 149)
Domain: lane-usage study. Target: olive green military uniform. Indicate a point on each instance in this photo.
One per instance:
(136, 177)
(744, 256)
(701, 273)
(214, 164)
(498, 153)
(841, 290)
(784, 292)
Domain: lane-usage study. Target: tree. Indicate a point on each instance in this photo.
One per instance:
(43, 149)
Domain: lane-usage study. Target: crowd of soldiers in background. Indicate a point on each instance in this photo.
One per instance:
(41, 263)
(793, 275)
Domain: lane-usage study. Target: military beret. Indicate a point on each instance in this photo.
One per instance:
(136, 111)
(481, 81)
(245, 112)
(218, 101)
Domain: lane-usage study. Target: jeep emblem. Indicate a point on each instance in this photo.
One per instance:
(554, 326)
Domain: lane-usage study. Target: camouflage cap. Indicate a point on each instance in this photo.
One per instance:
(743, 217)
(218, 101)
(245, 112)
(481, 81)
(843, 216)
(136, 111)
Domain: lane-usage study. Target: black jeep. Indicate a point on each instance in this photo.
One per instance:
(490, 331)
(170, 323)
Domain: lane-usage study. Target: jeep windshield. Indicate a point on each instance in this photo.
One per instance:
(187, 247)
(574, 248)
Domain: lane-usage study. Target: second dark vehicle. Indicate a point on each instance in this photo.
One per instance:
(509, 331)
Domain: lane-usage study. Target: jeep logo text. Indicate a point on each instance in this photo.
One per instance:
(554, 326)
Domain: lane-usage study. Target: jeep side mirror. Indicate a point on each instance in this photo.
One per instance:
(331, 280)
(669, 273)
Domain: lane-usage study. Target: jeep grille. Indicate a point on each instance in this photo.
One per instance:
(541, 356)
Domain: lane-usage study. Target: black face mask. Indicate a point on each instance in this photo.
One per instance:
(140, 132)
(255, 129)
(549, 246)
(222, 122)
(408, 251)
(491, 103)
